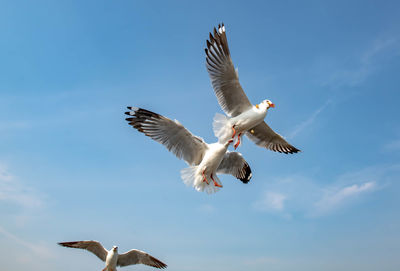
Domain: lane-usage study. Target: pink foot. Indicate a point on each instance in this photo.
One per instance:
(238, 142)
(215, 183)
(204, 177)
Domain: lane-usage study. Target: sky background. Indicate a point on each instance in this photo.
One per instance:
(71, 168)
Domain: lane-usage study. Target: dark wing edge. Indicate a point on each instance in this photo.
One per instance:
(135, 256)
(93, 246)
(224, 78)
(265, 137)
(173, 135)
(234, 164)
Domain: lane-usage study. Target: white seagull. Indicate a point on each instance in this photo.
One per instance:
(112, 258)
(205, 160)
(243, 116)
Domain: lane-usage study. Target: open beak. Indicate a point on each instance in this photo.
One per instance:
(272, 105)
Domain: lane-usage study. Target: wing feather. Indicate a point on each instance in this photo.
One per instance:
(135, 256)
(173, 135)
(93, 246)
(234, 164)
(265, 137)
(224, 78)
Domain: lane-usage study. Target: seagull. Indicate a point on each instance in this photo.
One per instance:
(112, 258)
(204, 160)
(243, 117)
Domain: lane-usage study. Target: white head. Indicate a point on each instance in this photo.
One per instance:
(265, 104)
(115, 248)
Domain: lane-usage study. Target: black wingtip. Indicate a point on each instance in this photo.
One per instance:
(248, 175)
(294, 150)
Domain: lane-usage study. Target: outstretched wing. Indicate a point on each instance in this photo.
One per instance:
(176, 138)
(265, 137)
(135, 256)
(93, 246)
(233, 163)
(224, 78)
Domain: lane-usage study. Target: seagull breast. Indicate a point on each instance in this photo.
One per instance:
(248, 119)
(213, 157)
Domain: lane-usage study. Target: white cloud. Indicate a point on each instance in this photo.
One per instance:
(13, 125)
(38, 249)
(298, 194)
(259, 261)
(206, 208)
(14, 192)
(362, 66)
(392, 146)
(271, 201)
(334, 198)
(308, 122)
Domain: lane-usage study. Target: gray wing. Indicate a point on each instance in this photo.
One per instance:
(224, 78)
(265, 137)
(93, 246)
(234, 164)
(135, 256)
(176, 138)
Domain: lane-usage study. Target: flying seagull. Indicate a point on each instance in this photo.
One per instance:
(205, 160)
(112, 258)
(243, 117)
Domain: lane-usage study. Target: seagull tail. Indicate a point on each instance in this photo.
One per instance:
(191, 176)
(222, 128)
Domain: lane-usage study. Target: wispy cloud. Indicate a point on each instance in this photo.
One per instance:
(271, 201)
(364, 65)
(334, 198)
(206, 208)
(13, 125)
(11, 190)
(38, 249)
(259, 261)
(392, 145)
(302, 195)
(309, 121)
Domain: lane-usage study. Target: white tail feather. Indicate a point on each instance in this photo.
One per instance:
(222, 128)
(191, 176)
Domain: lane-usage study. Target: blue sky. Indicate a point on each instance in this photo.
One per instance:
(72, 169)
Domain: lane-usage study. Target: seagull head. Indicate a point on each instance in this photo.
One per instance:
(268, 103)
(264, 105)
(115, 248)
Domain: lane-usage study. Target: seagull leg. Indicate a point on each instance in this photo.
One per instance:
(204, 177)
(234, 131)
(215, 183)
(238, 141)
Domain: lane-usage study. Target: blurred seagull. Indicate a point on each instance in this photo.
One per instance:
(112, 258)
(205, 160)
(243, 116)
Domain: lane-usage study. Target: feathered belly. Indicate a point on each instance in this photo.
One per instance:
(211, 161)
(247, 120)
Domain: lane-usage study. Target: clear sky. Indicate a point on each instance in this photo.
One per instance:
(71, 168)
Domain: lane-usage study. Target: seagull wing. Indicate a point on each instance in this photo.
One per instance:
(224, 78)
(135, 256)
(176, 138)
(234, 164)
(265, 137)
(93, 246)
